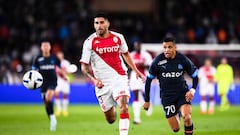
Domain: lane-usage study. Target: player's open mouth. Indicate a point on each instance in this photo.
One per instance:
(167, 54)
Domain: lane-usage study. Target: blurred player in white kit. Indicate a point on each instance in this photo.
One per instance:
(206, 86)
(142, 59)
(63, 86)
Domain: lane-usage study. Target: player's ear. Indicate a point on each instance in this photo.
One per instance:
(108, 23)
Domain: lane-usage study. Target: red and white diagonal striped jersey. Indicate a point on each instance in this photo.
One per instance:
(143, 58)
(104, 55)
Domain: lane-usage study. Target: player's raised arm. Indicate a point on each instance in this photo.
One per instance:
(130, 63)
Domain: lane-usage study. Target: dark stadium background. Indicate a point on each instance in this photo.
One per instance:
(66, 23)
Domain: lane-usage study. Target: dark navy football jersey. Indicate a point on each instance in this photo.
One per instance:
(170, 73)
(46, 66)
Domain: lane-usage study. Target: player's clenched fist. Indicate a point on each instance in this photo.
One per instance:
(98, 83)
(190, 94)
(146, 105)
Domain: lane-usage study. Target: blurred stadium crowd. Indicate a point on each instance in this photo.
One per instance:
(66, 23)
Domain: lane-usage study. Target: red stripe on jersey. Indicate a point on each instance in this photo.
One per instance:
(109, 50)
(139, 61)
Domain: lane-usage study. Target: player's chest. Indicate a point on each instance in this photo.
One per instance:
(106, 46)
(170, 66)
(46, 61)
(138, 58)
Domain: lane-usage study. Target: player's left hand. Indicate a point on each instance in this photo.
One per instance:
(189, 95)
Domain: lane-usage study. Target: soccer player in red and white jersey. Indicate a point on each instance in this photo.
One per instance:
(63, 86)
(104, 50)
(207, 86)
(142, 59)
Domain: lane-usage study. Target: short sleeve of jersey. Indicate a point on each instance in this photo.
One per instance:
(123, 47)
(35, 64)
(86, 53)
(153, 69)
(58, 63)
(190, 68)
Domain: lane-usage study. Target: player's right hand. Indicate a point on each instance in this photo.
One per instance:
(146, 105)
(140, 75)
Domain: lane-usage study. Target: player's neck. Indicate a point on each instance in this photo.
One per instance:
(173, 56)
(105, 35)
(46, 54)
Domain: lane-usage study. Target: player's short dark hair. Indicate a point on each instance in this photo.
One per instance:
(45, 40)
(101, 14)
(169, 39)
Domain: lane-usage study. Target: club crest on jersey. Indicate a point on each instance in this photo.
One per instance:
(162, 62)
(180, 66)
(115, 39)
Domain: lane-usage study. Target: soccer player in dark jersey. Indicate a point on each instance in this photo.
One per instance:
(169, 68)
(46, 64)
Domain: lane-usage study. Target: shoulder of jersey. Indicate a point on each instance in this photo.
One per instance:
(180, 56)
(160, 57)
(37, 57)
(54, 56)
(91, 37)
(116, 34)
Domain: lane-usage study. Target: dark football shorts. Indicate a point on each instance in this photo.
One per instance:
(47, 84)
(172, 103)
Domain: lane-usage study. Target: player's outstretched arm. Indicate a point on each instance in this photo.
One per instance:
(146, 105)
(86, 70)
(130, 63)
(190, 94)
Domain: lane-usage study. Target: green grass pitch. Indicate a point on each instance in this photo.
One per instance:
(89, 120)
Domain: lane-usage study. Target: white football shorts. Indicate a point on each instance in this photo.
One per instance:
(136, 83)
(63, 86)
(207, 90)
(114, 87)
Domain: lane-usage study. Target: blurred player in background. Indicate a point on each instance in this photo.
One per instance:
(142, 60)
(63, 86)
(207, 86)
(104, 50)
(224, 79)
(46, 64)
(169, 67)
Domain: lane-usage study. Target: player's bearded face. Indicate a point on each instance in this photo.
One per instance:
(169, 49)
(101, 26)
